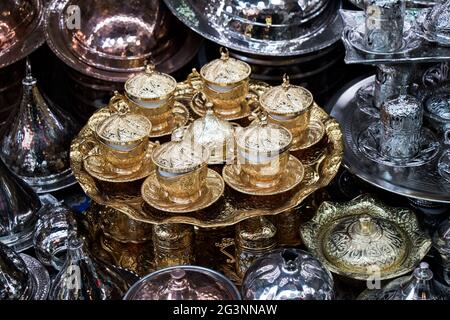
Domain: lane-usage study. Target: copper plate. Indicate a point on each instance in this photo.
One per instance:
(96, 165)
(88, 60)
(292, 177)
(210, 193)
(20, 39)
(234, 207)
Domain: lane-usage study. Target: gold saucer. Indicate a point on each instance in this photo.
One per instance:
(292, 177)
(247, 107)
(310, 136)
(154, 196)
(97, 166)
(179, 118)
(313, 144)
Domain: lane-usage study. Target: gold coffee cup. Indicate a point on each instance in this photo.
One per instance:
(225, 83)
(123, 136)
(289, 106)
(263, 153)
(181, 168)
(151, 93)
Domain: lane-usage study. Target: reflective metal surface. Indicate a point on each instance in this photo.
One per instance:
(434, 24)
(364, 236)
(233, 207)
(84, 277)
(35, 141)
(183, 283)
(21, 29)
(287, 274)
(21, 277)
(111, 40)
(284, 28)
(441, 241)
(419, 286)
(51, 233)
(412, 50)
(18, 207)
(422, 182)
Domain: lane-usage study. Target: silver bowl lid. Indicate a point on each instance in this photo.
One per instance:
(21, 29)
(287, 274)
(268, 28)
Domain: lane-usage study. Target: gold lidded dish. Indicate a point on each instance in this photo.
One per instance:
(263, 153)
(181, 170)
(122, 130)
(215, 134)
(365, 237)
(289, 106)
(151, 93)
(150, 87)
(123, 136)
(226, 83)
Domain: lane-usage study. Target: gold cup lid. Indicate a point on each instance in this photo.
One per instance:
(358, 243)
(264, 138)
(225, 71)
(286, 100)
(212, 133)
(122, 128)
(364, 238)
(180, 155)
(150, 85)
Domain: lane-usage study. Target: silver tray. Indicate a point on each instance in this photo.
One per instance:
(423, 182)
(319, 32)
(426, 52)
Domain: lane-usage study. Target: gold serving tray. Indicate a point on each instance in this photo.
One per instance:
(233, 207)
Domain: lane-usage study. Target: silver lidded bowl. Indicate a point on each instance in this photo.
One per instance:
(183, 283)
(21, 29)
(21, 277)
(267, 28)
(287, 274)
(110, 40)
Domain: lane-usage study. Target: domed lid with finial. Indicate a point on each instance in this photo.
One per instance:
(264, 138)
(225, 71)
(287, 274)
(180, 155)
(150, 85)
(122, 128)
(286, 100)
(213, 133)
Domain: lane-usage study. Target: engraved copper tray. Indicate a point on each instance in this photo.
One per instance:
(233, 207)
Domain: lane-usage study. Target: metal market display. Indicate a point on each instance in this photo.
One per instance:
(171, 186)
(395, 131)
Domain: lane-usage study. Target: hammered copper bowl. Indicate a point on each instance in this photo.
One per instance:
(110, 39)
(20, 34)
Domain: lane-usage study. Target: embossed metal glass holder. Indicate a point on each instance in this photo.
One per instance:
(270, 29)
(413, 49)
(363, 237)
(417, 178)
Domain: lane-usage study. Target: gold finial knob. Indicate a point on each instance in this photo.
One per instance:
(286, 84)
(149, 67)
(224, 53)
(209, 106)
(118, 104)
(366, 225)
